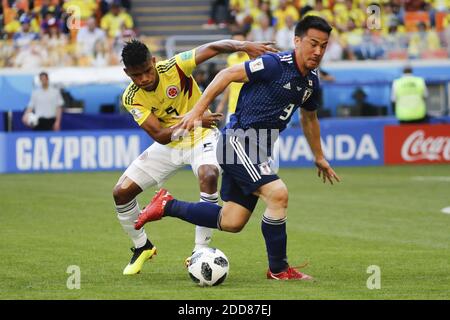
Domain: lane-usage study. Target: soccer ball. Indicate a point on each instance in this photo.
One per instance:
(32, 119)
(208, 267)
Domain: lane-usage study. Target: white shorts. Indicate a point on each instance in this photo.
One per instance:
(156, 164)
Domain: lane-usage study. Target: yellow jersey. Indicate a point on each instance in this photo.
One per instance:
(176, 94)
(235, 87)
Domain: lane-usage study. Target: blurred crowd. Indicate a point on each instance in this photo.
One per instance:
(363, 29)
(47, 33)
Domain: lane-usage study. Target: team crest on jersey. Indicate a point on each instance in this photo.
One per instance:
(172, 92)
(306, 94)
(256, 65)
(265, 169)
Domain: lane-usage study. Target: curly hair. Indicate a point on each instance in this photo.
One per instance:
(135, 53)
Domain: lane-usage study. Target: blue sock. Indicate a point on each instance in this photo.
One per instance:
(274, 232)
(203, 214)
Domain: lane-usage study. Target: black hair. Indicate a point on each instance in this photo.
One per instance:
(43, 73)
(312, 22)
(407, 69)
(135, 53)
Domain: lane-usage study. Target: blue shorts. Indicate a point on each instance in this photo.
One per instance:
(246, 167)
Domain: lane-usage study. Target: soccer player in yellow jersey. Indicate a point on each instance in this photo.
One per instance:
(159, 91)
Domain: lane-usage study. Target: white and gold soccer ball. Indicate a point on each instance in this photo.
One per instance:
(208, 267)
(32, 119)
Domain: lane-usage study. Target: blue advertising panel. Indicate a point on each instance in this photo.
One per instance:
(70, 151)
(357, 145)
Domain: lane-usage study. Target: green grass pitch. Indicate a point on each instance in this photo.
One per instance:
(389, 217)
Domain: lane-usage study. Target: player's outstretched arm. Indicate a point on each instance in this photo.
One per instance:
(212, 49)
(235, 73)
(153, 127)
(311, 130)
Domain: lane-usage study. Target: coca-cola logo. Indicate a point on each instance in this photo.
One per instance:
(419, 147)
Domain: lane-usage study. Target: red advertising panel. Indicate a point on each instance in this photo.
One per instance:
(417, 144)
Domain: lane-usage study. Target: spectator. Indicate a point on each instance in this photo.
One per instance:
(24, 37)
(47, 7)
(265, 8)
(31, 56)
(318, 10)
(113, 22)
(285, 8)
(423, 40)
(353, 36)
(105, 5)
(364, 108)
(265, 32)
(101, 56)
(241, 15)
(335, 51)
(388, 18)
(370, 48)
(87, 38)
(46, 105)
(55, 42)
(14, 26)
(285, 35)
(408, 96)
(85, 8)
(354, 12)
(395, 40)
(117, 44)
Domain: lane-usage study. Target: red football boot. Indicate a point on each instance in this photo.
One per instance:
(155, 210)
(291, 273)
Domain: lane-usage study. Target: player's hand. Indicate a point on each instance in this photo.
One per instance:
(188, 121)
(257, 48)
(325, 171)
(192, 119)
(210, 120)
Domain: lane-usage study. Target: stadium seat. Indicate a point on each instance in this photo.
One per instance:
(414, 17)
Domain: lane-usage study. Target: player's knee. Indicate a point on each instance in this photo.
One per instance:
(232, 227)
(120, 195)
(279, 197)
(208, 177)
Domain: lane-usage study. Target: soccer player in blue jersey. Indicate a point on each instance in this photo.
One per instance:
(275, 85)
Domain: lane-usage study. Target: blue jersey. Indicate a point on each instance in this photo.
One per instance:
(275, 91)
